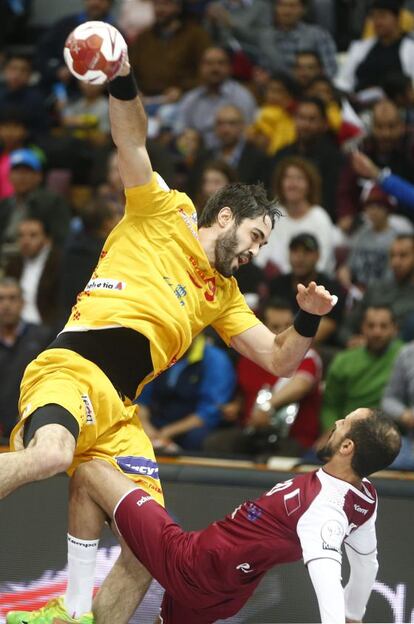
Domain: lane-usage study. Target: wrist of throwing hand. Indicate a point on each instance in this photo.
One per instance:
(306, 324)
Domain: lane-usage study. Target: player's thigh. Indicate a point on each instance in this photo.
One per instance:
(127, 448)
(52, 392)
(102, 482)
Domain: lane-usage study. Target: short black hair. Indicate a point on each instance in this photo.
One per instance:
(288, 82)
(396, 84)
(377, 443)
(247, 201)
(15, 56)
(320, 105)
(381, 306)
(277, 303)
(309, 52)
(34, 217)
(14, 117)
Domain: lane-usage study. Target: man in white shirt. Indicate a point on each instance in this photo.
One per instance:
(37, 269)
(209, 574)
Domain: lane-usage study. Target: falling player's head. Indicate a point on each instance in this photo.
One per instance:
(241, 218)
(366, 440)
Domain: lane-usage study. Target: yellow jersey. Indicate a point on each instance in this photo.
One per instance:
(154, 277)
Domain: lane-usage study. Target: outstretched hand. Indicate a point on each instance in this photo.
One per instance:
(315, 299)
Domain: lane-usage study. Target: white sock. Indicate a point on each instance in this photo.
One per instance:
(81, 575)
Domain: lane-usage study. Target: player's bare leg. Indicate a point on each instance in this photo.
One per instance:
(128, 578)
(49, 452)
(122, 591)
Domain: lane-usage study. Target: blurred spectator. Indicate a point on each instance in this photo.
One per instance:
(280, 42)
(13, 135)
(214, 176)
(370, 245)
(398, 402)
(306, 68)
(253, 284)
(297, 185)
(17, 94)
(199, 106)
(235, 23)
(37, 268)
(342, 119)
(304, 253)
(30, 199)
(189, 155)
(184, 403)
(250, 163)
(406, 19)
(20, 343)
(302, 388)
(113, 187)
(358, 376)
(165, 58)
(82, 251)
(394, 185)
(399, 89)
(14, 17)
(49, 52)
(388, 145)
(274, 127)
(315, 143)
(324, 13)
(369, 61)
(88, 116)
(397, 292)
(135, 16)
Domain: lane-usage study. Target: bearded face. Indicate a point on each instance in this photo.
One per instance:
(326, 452)
(228, 256)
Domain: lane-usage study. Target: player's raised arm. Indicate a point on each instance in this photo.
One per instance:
(96, 52)
(129, 128)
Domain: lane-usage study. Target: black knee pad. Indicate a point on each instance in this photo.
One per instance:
(49, 415)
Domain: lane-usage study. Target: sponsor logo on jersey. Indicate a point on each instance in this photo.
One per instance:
(104, 284)
(360, 509)
(253, 512)
(208, 283)
(138, 465)
(190, 221)
(332, 534)
(179, 290)
(144, 499)
(90, 414)
(244, 567)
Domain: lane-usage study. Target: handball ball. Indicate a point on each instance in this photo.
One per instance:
(94, 52)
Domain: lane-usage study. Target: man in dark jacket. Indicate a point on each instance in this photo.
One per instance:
(30, 199)
(20, 342)
(315, 143)
(37, 268)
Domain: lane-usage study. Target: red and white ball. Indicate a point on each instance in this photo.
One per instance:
(94, 52)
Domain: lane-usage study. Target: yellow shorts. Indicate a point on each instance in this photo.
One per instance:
(109, 428)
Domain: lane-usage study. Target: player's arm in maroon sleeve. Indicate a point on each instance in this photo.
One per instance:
(129, 131)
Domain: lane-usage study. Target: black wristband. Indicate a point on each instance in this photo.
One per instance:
(123, 87)
(306, 324)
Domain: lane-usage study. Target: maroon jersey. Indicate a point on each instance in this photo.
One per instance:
(210, 574)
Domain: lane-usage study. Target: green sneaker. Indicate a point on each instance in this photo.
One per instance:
(54, 609)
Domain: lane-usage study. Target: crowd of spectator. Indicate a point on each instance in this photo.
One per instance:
(312, 98)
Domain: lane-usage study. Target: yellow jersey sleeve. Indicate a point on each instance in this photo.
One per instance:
(153, 199)
(236, 317)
